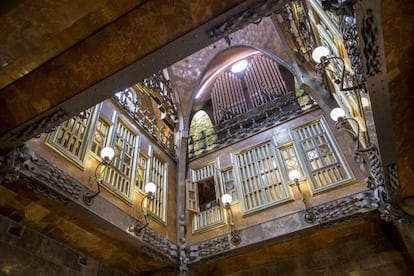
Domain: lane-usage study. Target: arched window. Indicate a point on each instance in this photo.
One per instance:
(202, 137)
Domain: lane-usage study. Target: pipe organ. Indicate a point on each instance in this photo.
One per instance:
(233, 94)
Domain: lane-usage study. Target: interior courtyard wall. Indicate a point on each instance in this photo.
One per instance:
(86, 175)
(281, 135)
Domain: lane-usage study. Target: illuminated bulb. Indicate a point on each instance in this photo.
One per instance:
(337, 113)
(239, 66)
(294, 174)
(365, 102)
(320, 52)
(150, 188)
(226, 199)
(107, 153)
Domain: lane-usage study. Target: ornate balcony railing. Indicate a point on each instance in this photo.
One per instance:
(238, 127)
(162, 136)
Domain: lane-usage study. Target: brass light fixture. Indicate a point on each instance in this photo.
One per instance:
(226, 199)
(107, 154)
(321, 55)
(310, 216)
(149, 190)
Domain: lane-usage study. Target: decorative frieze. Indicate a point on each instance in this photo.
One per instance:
(167, 250)
(41, 125)
(369, 34)
(344, 208)
(215, 247)
(46, 191)
(41, 175)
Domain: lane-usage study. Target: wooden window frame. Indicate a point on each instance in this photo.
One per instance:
(157, 207)
(334, 149)
(248, 181)
(78, 158)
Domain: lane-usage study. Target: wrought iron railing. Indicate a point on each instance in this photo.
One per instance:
(243, 125)
(161, 135)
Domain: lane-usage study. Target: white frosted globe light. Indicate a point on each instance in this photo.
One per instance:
(320, 52)
(107, 153)
(226, 199)
(150, 187)
(294, 174)
(337, 113)
(239, 66)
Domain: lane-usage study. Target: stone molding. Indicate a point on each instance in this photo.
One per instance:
(344, 208)
(254, 12)
(22, 134)
(39, 174)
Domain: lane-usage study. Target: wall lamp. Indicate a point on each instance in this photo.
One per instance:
(341, 122)
(107, 154)
(310, 216)
(149, 190)
(321, 55)
(226, 199)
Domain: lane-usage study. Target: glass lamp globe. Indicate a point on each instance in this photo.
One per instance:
(150, 188)
(320, 52)
(107, 153)
(294, 174)
(337, 113)
(239, 66)
(226, 199)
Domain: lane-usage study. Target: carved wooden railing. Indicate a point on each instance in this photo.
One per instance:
(208, 219)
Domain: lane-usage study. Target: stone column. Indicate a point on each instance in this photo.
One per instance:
(181, 219)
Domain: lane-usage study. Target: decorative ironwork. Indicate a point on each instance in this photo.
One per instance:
(23, 162)
(45, 190)
(41, 125)
(346, 12)
(341, 7)
(387, 190)
(167, 249)
(183, 259)
(299, 29)
(130, 102)
(251, 14)
(346, 207)
(369, 34)
(159, 84)
(213, 248)
(273, 112)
